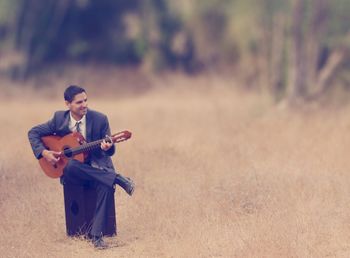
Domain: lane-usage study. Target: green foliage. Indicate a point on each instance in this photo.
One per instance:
(183, 34)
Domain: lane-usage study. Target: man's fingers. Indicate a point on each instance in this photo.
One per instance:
(54, 161)
(105, 145)
(55, 157)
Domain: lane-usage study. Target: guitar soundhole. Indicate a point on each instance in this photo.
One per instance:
(74, 208)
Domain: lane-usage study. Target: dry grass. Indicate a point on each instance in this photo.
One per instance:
(218, 174)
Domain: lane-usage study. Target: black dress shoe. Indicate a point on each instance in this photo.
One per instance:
(99, 243)
(126, 183)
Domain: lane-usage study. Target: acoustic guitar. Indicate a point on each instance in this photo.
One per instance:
(73, 146)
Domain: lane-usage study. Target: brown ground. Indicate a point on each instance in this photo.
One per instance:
(218, 174)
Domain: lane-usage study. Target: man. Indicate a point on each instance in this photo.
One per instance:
(98, 168)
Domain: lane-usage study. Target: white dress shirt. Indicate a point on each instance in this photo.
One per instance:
(82, 125)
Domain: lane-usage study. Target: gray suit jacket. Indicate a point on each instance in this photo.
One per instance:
(97, 127)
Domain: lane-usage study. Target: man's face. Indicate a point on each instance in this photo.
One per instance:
(78, 106)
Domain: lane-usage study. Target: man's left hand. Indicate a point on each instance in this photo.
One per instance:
(106, 145)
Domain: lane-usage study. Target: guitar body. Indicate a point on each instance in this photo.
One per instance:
(56, 143)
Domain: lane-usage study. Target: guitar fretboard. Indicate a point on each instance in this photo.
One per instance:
(86, 147)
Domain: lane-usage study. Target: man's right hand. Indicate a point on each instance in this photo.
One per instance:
(51, 156)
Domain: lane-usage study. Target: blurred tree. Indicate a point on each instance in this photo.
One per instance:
(170, 43)
(332, 35)
(316, 62)
(298, 82)
(294, 49)
(68, 30)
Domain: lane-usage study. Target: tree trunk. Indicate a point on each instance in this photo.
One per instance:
(298, 83)
(314, 40)
(277, 64)
(326, 74)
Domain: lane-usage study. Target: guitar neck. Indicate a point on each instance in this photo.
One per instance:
(86, 147)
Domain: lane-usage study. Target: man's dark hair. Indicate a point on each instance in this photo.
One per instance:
(71, 91)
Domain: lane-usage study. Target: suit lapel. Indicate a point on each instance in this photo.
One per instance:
(89, 122)
(64, 128)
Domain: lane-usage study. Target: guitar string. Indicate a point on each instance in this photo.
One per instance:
(87, 146)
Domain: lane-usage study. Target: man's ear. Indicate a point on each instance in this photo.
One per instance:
(67, 103)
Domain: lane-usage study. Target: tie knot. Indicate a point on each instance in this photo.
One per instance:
(77, 125)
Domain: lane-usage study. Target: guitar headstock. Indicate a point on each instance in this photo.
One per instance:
(121, 136)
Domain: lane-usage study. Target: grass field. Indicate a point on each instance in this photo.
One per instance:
(218, 174)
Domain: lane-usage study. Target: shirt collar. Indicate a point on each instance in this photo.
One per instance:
(82, 120)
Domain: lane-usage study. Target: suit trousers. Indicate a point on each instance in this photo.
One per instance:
(80, 173)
